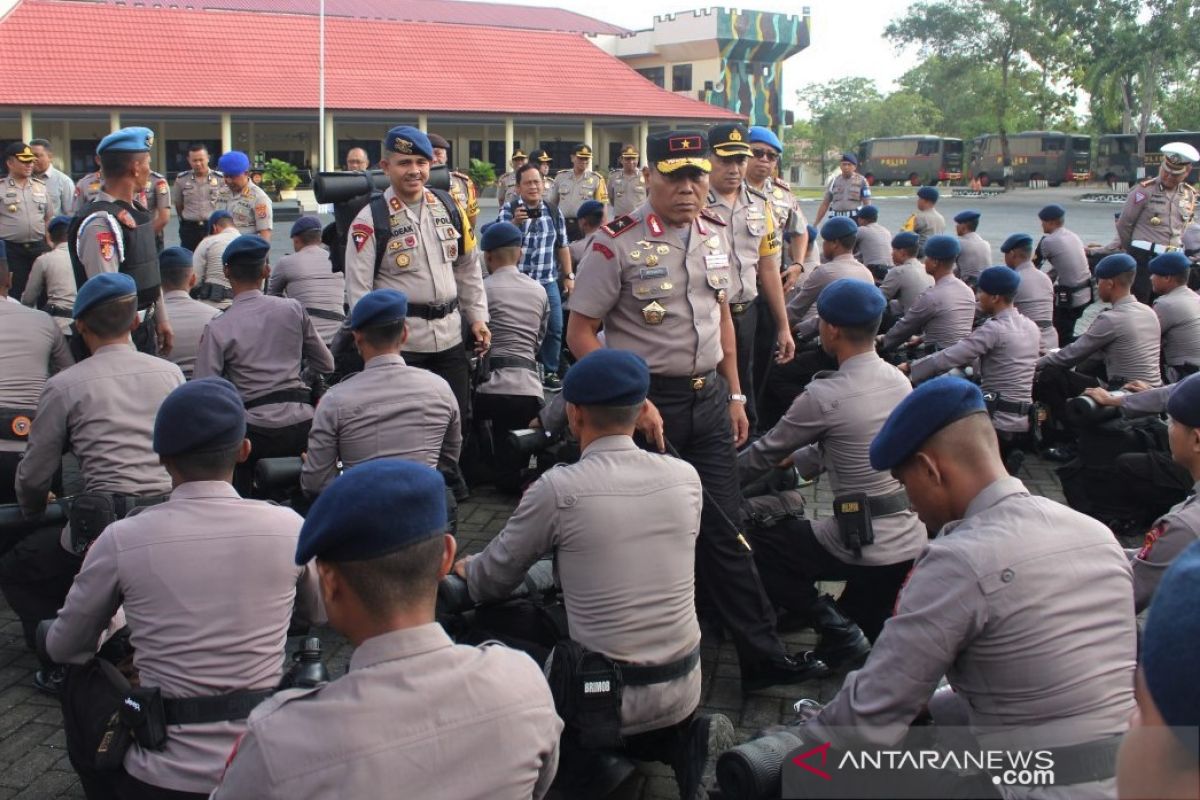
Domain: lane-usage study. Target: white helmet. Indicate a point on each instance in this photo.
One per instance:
(1178, 156)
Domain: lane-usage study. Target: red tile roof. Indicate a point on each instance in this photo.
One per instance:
(180, 58)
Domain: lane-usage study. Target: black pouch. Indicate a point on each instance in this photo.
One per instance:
(93, 696)
(853, 513)
(90, 514)
(768, 510)
(143, 714)
(1062, 297)
(587, 691)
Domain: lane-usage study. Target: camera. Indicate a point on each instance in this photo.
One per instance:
(754, 769)
(533, 213)
(1083, 410)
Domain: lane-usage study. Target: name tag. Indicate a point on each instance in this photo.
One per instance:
(716, 261)
(655, 272)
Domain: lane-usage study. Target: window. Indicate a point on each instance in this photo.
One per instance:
(1054, 143)
(1081, 144)
(656, 75)
(681, 78)
(928, 147)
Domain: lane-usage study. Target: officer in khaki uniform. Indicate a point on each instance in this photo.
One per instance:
(907, 279)
(307, 275)
(873, 247)
(208, 260)
(1178, 310)
(414, 710)
(156, 197)
(1157, 212)
(188, 317)
(846, 193)
(204, 554)
(674, 313)
(53, 276)
(944, 313)
(1067, 257)
(1035, 297)
(25, 209)
(927, 221)
(573, 186)
(389, 410)
(87, 187)
(506, 184)
(976, 253)
(462, 188)
(543, 159)
(765, 152)
(627, 185)
(196, 195)
(244, 199)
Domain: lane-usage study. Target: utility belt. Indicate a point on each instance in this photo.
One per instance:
(432, 311)
(1152, 247)
(489, 363)
(280, 396)
(588, 686)
(90, 513)
(851, 213)
(669, 383)
(1044, 323)
(15, 423)
(59, 311)
(212, 292)
(855, 511)
(1064, 295)
(995, 403)
(199, 223)
(1084, 763)
(326, 314)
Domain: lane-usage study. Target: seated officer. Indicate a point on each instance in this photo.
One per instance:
(907, 279)
(388, 410)
(1035, 294)
(1068, 267)
(415, 713)
(1006, 346)
(873, 244)
(943, 314)
(51, 285)
(592, 216)
(102, 410)
(1034, 632)
(204, 555)
(828, 429)
(976, 254)
(1178, 310)
(623, 524)
(1158, 756)
(307, 275)
(188, 316)
(208, 260)
(264, 368)
(510, 394)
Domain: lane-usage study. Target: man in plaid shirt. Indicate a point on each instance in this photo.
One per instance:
(544, 257)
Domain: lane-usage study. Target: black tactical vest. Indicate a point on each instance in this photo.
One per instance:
(139, 255)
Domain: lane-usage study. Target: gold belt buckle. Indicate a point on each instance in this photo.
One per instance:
(698, 383)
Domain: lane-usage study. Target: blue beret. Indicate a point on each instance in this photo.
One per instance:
(1051, 212)
(847, 301)
(607, 378)
(1022, 241)
(379, 307)
(175, 258)
(306, 223)
(101, 288)
(812, 233)
(930, 407)
(202, 415)
(58, 222)
(589, 207)
(1184, 403)
(999, 280)
(127, 140)
(216, 217)
(761, 135)
(234, 163)
(1173, 263)
(838, 227)
(374, 509)
(942, 247)
(409, 141)
(1114, 265)
(246, 247)
(905, 240)
(868, 212)
(499, 234)
(928, 193)
(970, 215)
(1171, 647)
(853, 159)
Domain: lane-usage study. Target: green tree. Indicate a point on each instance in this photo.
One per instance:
(840, 115)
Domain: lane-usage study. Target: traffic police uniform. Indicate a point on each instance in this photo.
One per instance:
(1069, 268)
(976, 254)
(846, 195)
(24, 211)
(1154, 218)
(414, 709)
(1178, 317)
(307, 275)
(1035, 296)
(873, 247)
(625, 191)
(570, 191)
(389, 410)
(926, 222)
(904, 283)
(944, 313)
(506, 184)
(208, 262)
(195, 199)
(52, 276)
(188, 317)
(251, 207)
(202, 556)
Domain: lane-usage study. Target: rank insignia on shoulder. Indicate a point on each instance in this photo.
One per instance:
(395, 204)
(619, 225)
(713, 218)
(782, 184)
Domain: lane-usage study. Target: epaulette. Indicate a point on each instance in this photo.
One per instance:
(782, 184)
(757, 192)
(713, 218)
(216, 172)
(619, 225)
(825, 373)
(563, 172)
(36, 179)
(462, 175)
(1147, 182)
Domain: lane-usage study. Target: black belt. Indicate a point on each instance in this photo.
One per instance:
(15, 423)
(638, 675)
(1085, 285)
(429, 311)
(888, 504)
(203, 222)
(1044, 323)
(58, 311)
(515, 362)
(737, 309)
(1084, 763)
(325, 314)
(220, 708)
(24, 245)
(996, 403)
(694, 382)
(280, 396)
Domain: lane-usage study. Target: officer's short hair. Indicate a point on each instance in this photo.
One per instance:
(246, 270)
(1124, 278)
(380, 336)
(212, 465)
(608, 418)
(175, 277)
(593, 218)
(117, 163)
(112, 318)
(58, 234)
(196, 147)
(971, 224)
(507, 254)
(41, 143)
(309, 237)
(526, 167)
(397, 580)
(846, 241)
(860, 334)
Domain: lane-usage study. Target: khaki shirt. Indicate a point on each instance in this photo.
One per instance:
(974, 257)
(87, 187)
(943, 314)
(847, 194)
(789, 219)
(1127, 337)
(24, 210)
(188, 320)
(208, 585)
(622, 524)
(925, 224)
(1065, 253)
(251, 208)
(1035, 299)
(156, 194)
(462, 189)
(424, 261)
(415, 712)
(1167, 538)
(1155, 215)
(873, 247)
(903, 284)
(195, 198)
(389, 410)
(986, 606)
(829, 428)
(506, 188)
(755, 239)
(1179, 319)
(99, 239)
(53, 272)
(208, 262)
(625, 192)
(520, 312)
(656, 288)
(802, 307)
(570, 192)
(308, 276)
(32, 347)
(234, 346)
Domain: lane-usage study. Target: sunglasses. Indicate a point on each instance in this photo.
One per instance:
(769, 155)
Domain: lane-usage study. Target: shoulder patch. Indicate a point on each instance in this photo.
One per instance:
(1152, 536)
(713, 218)
(782, 184)
(619, 225)
(360, 234)
(600, 248)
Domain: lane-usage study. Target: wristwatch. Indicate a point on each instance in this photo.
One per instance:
(737, 398)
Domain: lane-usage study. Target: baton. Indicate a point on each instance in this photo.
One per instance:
(708, 498)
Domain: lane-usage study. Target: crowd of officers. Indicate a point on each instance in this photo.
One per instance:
(713, 342)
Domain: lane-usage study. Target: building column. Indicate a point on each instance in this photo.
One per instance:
(226, 131)
(250, 148)
(114, 121)
(63, 158)
(329, 157)
(423, 122)
(160, 147)
(643, 135)
(600, 152)
(587, 134)
(487, 140)
(508, 138)
(537, 137)
(26, 125)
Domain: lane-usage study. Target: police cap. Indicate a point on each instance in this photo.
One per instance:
(233, 163)
(20, 151)
(379, 307)
(1184, 402)
(436, 140)
(928, 193)
(942, 247)
(999, 280)
(589, 207)
(1178, 156)
(970, 215)
(1173, 263)
(1017, 241)
(761, 135)
(1114, 265)
(201, 416)
(1052, 212)
(175, 258)
(851, 302)
(850, 158)
(499, 234)
(671, 150)
(838, 228)
(127, 140)
(926, 410)
(905, 240)
(245, 249)
(59, 221)
(306, 223)
(1171, 648)
(216, 217)
(868, 212)
(729, 140)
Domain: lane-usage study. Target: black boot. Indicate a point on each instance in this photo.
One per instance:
(695, 765)
(843, 644)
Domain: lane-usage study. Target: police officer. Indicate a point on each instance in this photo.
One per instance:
(765, 152)
(624, 544)
(31, 348)
(573, 186)
(188, 316)
(462, 188)
(1032, 666)
(944, 313)
(627, 185)
(400, 715)
(209, 260)
(156, 197)
(1178, 310)
(265, 369)
(873, 247)
(828, 428)
(196, 195)
(976, 253)
(59, 185)
(113, 232)
(927, 221)
(102, 410)
(53, 278)
(25, 209)
(680, 324)
(1035, 297)
(1065, 253)
(389, 410)
(592, 215)
(846, 193)
(506, 184)
(205, 553)
(307, 275)
(424, 255)
(907, 279)
(1157, 211)
(543, 159)
(87, 187)
(244, 199)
